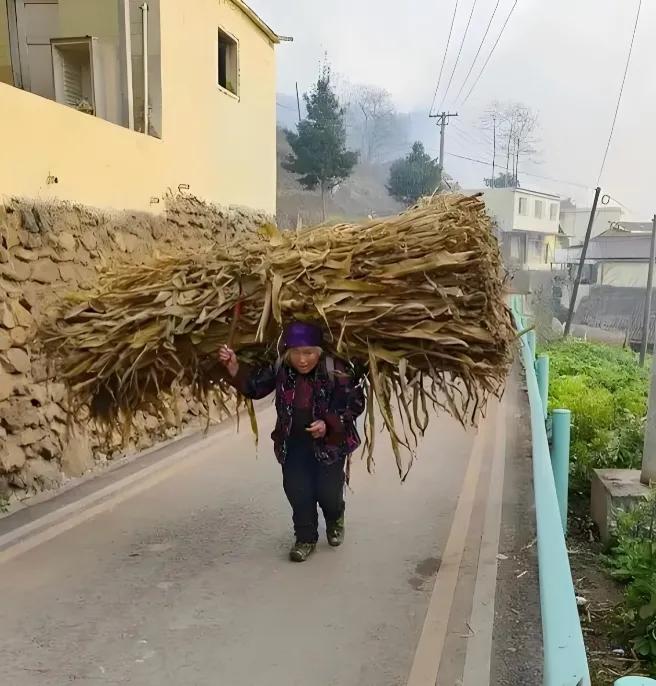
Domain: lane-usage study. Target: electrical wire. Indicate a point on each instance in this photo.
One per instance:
(480, 73)
(478, 52)
(476, 137)
(545, 178)
(446, 50)
(455, 64)
(619, 98)
(537, 176)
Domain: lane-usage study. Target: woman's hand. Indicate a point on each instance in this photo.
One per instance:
(317, 429)
(229, 360)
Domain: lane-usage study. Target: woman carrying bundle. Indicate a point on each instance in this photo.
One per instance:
(317, 402)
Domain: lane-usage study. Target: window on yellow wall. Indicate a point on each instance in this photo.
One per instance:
(228, 61)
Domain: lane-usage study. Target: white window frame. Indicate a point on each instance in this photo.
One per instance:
(95, 72)
(522, 206)
(538, 209)
(553, 211)
(237, 70)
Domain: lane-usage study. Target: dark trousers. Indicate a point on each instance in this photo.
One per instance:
(308, 482)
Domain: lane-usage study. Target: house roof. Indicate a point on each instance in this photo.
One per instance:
(631, 230)
(512, 189)
(636, 227)
(260, 23)
(616, 245)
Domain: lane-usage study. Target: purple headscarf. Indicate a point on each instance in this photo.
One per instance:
(302, 335)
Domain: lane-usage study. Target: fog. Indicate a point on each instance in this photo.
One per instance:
(562, 59)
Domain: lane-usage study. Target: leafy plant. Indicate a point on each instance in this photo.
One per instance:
(606, 391)
(4, 504)
(633, 562)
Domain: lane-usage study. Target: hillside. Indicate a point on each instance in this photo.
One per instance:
(364, 192)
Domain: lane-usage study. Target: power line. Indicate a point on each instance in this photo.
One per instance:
(455, 65)
(619, 98)
(480, 73)
(537, 176)
(476, 137)
(446, 50)
(478, 52)
(545, 178)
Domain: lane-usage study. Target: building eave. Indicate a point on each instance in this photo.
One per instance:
(258, 21)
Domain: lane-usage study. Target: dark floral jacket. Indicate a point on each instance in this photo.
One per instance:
(337, 399)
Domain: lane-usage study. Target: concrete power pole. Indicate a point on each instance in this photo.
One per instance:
(442, 121)
(579, 273)
(648, 294)
(648, 472)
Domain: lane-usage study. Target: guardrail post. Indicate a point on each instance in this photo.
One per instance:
(530, 337)
(542, 372)
(561, 429)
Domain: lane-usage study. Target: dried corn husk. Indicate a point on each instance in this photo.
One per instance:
(418, 298)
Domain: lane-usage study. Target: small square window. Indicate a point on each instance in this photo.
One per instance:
(539, 209)
(523, 206)
(228, 62)
(553, 211)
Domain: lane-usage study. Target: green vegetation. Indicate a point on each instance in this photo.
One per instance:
(414, 176)
(606, 391)
(319, 156)
(633, 562)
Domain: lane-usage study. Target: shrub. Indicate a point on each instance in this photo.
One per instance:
(606, 391)
(633, 562)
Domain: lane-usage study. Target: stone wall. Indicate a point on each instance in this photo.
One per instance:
(48, 249)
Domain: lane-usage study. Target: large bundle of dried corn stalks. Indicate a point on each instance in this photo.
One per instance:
(418, 298)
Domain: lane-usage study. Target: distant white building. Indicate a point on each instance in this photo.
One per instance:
(574, 221)
(528, 223)
(617, 257)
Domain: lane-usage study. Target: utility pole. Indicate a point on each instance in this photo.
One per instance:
(648, 471)
(494, 147)
(584, 251)
(442, 122)
(647, 309)
(298, 104)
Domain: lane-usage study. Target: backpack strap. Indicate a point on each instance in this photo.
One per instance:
(330, 367)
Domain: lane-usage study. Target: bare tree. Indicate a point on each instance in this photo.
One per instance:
(514, 127)
(374, 123)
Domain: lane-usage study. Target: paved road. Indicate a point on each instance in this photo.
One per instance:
(188, 583)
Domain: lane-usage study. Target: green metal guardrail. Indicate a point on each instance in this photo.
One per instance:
(565, 660)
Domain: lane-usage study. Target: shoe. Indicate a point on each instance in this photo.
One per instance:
(335, 533)
(301, 551)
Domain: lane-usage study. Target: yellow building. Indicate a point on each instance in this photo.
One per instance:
(74, 77)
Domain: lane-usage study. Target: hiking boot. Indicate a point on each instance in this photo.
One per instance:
(301, 551)
(335, 533)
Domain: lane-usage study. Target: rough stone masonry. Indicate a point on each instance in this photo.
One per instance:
(48, 249)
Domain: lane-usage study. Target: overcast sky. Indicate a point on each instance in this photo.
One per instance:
(563, 58)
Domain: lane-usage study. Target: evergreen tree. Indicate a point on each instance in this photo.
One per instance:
(414, 176)
(319, 156)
